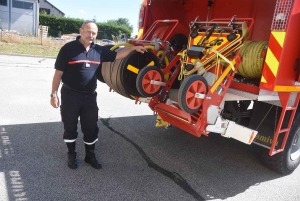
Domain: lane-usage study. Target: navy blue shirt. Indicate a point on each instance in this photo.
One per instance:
(79, 66)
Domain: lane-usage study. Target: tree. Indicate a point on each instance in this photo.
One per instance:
(94, 19)
(123, 22)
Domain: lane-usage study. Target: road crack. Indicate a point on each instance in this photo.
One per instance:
(176, 177)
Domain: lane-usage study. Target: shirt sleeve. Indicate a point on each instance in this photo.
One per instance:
(107, 55)
(61, 62)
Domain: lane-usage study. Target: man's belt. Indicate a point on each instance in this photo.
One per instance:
(84, 92)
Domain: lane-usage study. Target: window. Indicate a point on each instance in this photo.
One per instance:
(3, 2)
(22, 4)
(46, 10)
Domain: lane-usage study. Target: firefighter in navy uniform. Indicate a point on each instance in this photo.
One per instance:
(75, 67)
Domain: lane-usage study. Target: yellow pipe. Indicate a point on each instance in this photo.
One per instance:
(159, 53)
(221, 78)
(149, 47)
(279, 88)
(133, 69)
(119, 45)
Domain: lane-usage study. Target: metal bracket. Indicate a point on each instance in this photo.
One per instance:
(230, 129)
(158, 83)
(199, 95)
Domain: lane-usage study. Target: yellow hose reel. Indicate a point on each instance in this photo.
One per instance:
(253, 54)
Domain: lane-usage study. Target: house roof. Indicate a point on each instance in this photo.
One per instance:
(54, 7)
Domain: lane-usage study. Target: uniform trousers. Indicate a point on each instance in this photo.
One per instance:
(82, 105)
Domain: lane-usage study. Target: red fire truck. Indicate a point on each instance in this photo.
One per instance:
(222, 66)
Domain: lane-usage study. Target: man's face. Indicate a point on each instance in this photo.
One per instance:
(88, 33)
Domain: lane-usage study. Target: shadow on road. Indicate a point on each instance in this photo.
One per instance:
(141, 162)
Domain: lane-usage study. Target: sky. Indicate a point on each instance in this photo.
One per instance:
(101, 10)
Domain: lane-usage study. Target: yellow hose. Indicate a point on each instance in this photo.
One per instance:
(160, 53)
(251, 66)
(119, 45)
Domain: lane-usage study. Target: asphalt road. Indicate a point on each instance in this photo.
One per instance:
(141, 162)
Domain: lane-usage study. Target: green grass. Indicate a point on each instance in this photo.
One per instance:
(15, 44)
(29, 49)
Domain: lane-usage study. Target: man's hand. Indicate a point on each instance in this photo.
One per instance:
(140, 49)
(55, 102)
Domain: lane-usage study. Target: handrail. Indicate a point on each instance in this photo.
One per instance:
(238, 22)
(155, 23)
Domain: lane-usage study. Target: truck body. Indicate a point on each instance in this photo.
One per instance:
(221, 66)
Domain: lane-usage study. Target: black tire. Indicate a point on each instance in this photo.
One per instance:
(141, 77)
(182, 93)
(179, 41)
(139, 61)
(287, 161)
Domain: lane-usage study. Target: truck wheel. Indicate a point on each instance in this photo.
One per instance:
(192, 86)
(143, 81)
(287, 161)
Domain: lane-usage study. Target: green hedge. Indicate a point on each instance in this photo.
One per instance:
(66, 25)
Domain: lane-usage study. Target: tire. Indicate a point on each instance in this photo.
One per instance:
(139, 61)
(179, 41)
(143, 85)
(287, 161)
(186, 95)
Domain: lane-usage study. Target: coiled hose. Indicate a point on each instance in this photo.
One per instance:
(253, 54)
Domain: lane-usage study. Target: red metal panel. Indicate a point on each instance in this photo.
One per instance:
(226, 9)
(177, 118)
(269, 77)
(275, 47)
(266, 86)
(260, 10)
(291, 49)
(244, 87)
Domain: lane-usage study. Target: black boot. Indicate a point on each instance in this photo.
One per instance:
(90, 156)
(72, 163)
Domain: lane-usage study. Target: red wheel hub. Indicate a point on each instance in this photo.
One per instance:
(191, 100)
(146, 82)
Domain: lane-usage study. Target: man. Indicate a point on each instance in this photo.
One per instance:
(75, 66)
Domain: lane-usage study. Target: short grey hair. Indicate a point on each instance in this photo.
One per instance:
(86, 22)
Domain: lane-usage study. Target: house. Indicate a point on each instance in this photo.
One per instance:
(20, 16)
(49, 8)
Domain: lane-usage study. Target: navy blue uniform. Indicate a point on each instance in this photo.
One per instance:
(78, 95)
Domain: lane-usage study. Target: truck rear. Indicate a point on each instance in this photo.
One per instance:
(223, 66)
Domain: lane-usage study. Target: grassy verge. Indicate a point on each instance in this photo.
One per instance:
(29, 49)
(15, 44)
